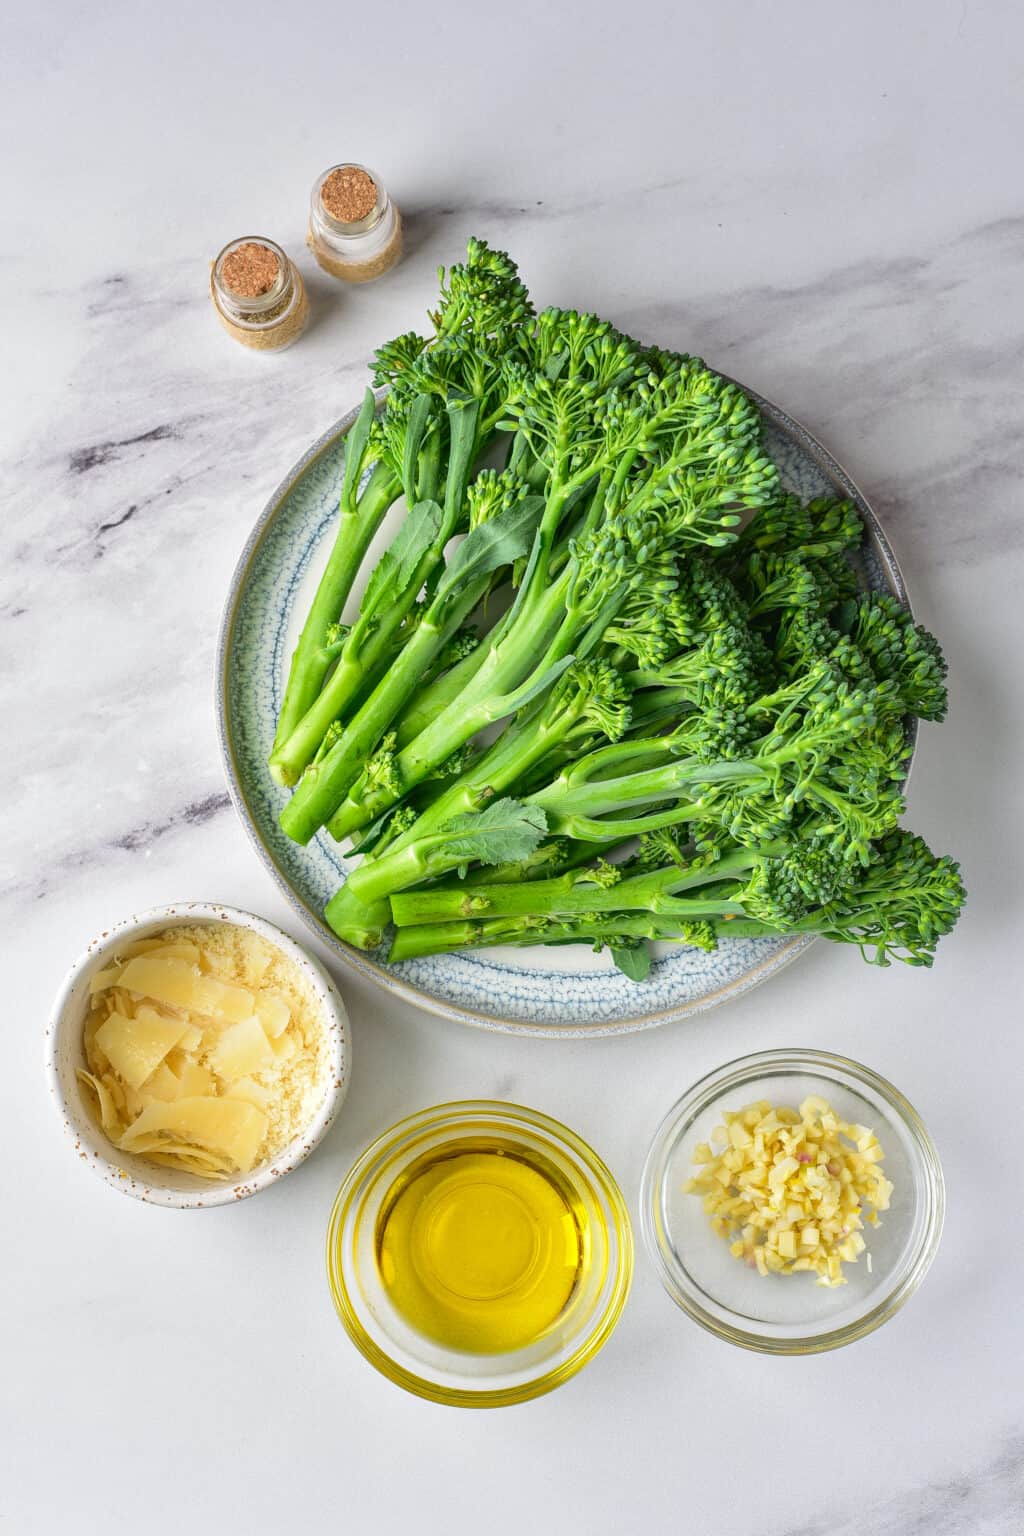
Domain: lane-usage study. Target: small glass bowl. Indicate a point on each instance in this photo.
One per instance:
(447, 1375)
(792, 1314)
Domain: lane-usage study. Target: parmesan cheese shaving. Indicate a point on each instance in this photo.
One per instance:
(179, 982)
(241, 1050)
(135, 1047)
(204, 1050)
(228, 1128)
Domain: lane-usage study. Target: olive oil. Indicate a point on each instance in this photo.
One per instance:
(480, 1245)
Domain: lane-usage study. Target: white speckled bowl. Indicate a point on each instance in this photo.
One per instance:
(133, 1175)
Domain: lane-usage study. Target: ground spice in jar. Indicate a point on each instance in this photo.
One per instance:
(259, 295)
(355, 230)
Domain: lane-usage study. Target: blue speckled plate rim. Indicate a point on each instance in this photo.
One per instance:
(360, 962)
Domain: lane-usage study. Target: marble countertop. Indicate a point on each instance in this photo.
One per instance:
(824, 201)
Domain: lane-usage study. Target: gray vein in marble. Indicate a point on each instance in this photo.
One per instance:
(987, 1500)
(140, 838)
(510, 211)
(85, 459)
(195, 814)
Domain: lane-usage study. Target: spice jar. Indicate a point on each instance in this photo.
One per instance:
(258, 294)
(355, 230)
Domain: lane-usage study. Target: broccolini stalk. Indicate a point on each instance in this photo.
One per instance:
(501, 538)
(553, 857)
(390, 596)
(615, 933)
(839, 749)
(449, 683)
(503, 831)
(832, 735)
(897, 907)
(594, 888)
(438, 694)
(590, 696)
(504, 682)
(411, 440)
(482, 304)
(361, 514)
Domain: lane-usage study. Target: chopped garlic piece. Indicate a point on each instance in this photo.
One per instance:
(790, 1191)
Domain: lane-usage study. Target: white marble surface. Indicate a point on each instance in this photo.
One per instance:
(823, 199)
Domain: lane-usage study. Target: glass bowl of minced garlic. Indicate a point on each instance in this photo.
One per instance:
(792, 1201)
(197, 1054)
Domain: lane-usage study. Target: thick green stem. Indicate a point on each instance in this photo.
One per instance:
(595, 829)
(551, 858)
(532, 639)
(326, 782)
(361, 920)
(484, 700)
(360, 906)
(572, 807)
(366, 649)
(568, 895)
(311, 659)
(438, 695)
(441, 939)
(359, 912)
(358, 662)
(444, 938)
(567, 795)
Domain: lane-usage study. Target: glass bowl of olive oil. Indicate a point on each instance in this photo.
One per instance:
(479, 1254)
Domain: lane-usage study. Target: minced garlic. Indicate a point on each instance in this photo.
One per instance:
(205, 1049)
(791, 1190)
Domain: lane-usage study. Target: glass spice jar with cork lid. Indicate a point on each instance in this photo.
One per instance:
(355, 230)
(258, 294)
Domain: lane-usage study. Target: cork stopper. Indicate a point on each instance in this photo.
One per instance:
(250, 270)
(349, 194)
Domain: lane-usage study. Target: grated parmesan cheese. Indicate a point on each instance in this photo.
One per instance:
(205, 1050)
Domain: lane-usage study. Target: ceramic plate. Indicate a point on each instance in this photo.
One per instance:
(557, 991)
